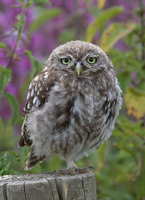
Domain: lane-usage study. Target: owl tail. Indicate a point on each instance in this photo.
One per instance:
(32, 160)
(21, 142)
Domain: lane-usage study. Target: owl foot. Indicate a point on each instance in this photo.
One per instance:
(85, 170)
(72, 171)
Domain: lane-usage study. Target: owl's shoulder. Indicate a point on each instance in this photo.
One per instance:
(39, 89)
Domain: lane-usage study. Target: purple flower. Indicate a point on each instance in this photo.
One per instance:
(128, 9)
(5, 111)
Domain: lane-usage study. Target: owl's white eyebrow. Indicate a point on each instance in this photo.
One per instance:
(66, 56)
(92, 54)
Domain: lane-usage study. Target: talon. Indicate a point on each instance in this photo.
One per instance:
(77, 171)
(72, 171)
(90, 167)
(85, 170)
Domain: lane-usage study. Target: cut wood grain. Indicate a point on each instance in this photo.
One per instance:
(48, 186)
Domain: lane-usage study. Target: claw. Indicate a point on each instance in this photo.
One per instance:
(77, 171)
(72, 171)
(90, 167)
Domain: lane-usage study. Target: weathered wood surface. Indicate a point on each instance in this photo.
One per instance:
(48, 187)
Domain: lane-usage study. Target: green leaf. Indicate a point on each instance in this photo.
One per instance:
(36, 66)
(66, 35)
(13, 105)
(100, 4)
(1, 125)
(7, 140)
(124, 79)
(100, 20)
(5, 77)
(5, 165)
(94, 11)
(39, 2)
(141, 87)
(2, 45)
(113, 33)
(140, 184)
(20, 1)
(135, 103)
(42, 18)
(86, 2)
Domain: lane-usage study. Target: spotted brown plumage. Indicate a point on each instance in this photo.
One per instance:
(38, 90)
(72, 104)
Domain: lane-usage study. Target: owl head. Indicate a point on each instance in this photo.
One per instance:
(79, 57)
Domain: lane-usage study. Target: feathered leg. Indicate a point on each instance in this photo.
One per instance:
(32, 160)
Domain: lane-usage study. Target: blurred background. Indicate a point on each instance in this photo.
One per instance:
(29, 31)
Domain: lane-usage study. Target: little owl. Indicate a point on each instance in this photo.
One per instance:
(72, 104)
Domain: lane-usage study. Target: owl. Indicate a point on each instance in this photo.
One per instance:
(72, 104)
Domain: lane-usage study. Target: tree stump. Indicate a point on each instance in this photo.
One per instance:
(47, 186)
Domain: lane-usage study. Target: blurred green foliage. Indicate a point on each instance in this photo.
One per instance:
(119, 163)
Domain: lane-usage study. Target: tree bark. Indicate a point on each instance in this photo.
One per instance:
(48, 186)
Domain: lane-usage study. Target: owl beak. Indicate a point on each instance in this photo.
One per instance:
(79, 68)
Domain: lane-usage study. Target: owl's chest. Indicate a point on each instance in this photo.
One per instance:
(74, 105)
(83, 107)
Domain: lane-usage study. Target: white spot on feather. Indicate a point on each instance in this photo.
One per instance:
(36, 78)
(34, 100)
(30, 85)
(28, 95)
(39, 84)
(32, 93)
(46, 76)
(45, 68)
(36, 87)
(28, 106)
(37, 103)
(56, 88)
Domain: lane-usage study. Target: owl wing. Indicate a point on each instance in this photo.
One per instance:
(39, 89)
(38, 92)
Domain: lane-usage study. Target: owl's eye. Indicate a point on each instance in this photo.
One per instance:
(91, 60)
(65, 61)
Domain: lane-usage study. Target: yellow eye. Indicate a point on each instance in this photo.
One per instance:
(91, 60)
(65, 61)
